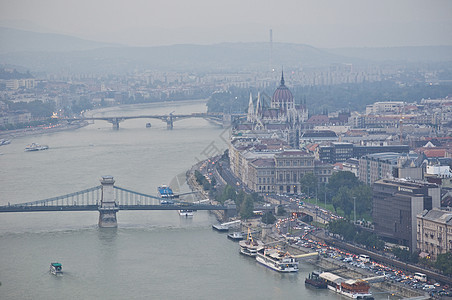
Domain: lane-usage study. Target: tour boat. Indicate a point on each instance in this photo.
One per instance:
(185, 212)
(277, 260)
(36, 147)
(56, 269)
(166, 192)
(352, 288)
(314, 280)
(250, 246)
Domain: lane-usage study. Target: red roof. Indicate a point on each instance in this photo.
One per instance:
(435, 152)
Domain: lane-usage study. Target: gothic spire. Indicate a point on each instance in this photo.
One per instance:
(282, 77)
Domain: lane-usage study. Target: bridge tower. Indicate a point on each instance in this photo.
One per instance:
(115, 122)
(108, 206)
(169, 121)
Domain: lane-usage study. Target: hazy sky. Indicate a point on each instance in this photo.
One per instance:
(320, 23)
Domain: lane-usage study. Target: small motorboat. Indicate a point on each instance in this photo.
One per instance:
(56, 268)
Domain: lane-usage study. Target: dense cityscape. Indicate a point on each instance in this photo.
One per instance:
(332, 164)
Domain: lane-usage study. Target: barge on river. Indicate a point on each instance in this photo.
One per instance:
(352, 288)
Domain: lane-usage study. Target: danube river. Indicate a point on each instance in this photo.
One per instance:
(152, 254)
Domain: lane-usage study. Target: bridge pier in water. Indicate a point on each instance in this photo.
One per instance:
(108, 207)
(169, 122)
(115, 122)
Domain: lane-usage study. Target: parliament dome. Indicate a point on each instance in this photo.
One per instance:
(282, 94)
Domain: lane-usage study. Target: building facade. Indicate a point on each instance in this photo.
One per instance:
(434, 232)
(396, 204)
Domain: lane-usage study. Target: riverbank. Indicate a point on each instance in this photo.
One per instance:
(11, 134)
(340, 268)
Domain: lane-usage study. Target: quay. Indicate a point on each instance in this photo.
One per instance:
(328, 264)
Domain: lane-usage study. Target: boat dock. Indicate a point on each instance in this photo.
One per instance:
(225, 226)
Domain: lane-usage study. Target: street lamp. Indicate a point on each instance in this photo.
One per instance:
(354, 210)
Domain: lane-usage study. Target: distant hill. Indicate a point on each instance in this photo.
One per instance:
(41, 52)
(401, 54)
(15, 40)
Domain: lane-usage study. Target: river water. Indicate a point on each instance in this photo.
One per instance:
(152, 254)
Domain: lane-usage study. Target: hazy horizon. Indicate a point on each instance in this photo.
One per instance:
(323, 23)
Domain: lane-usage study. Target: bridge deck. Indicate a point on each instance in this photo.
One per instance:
(120, 207)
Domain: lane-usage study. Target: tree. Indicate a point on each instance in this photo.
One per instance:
(444, 263)
(268, 218)
(363, 197)
(343, 200)
(280, 210)
(247, 207)
(342, 179)
(308, 183)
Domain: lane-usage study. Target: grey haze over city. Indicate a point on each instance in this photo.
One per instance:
(324, 23)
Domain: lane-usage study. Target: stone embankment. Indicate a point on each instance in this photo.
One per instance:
(200, 193)
(325, 263)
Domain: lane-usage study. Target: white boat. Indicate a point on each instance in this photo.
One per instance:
(352, 288)
(36, 147)
(250, 246)
(236, 236)
(277, 260)
(4, 142)
(185, 212)
(56, 269)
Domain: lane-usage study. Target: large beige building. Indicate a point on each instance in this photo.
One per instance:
(434, 231)
(272, 168)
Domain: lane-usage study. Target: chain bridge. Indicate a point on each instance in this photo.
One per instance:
(108, 200)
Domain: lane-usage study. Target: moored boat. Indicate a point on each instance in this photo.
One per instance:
(314, 280)
(4, 142)
(219, 227)
(352, 288)
(250, 246)
(185, 212)
(165, 191)
(277, 260)
(236, 236)
(56, 268)
(36, 147)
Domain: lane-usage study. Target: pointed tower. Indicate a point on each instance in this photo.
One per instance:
(250, 117)
(258, 106)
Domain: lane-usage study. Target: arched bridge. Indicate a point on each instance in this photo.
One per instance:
(107, 199)
(169, 119)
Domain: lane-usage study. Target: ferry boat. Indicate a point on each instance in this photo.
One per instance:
(56, 268)
(185, 212)
(314, 280)
(352, 288)
(250, 246)
(36, 147)
(165, 191)
(277, 260)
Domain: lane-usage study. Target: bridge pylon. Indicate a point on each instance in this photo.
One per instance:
(108, 206)
(115, 122)
(169, 122)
